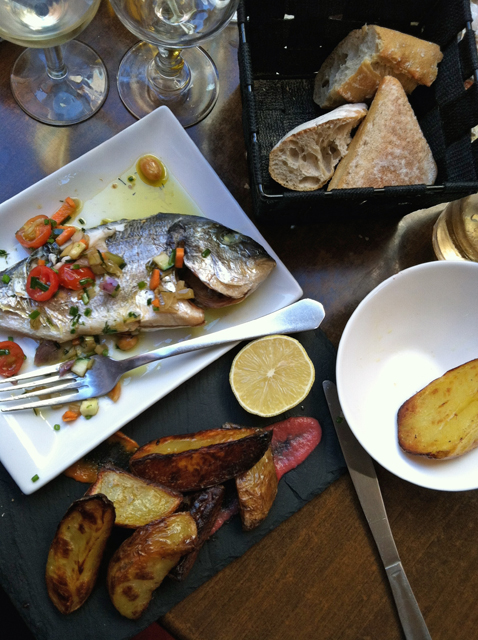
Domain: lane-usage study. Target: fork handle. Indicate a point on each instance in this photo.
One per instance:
(301, 316)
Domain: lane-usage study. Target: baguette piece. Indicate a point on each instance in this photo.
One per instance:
(354, 69)
(389, 147)
(305, 158)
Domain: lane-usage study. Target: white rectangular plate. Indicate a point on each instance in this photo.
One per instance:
(29, 445)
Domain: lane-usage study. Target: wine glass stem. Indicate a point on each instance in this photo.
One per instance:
(56, 68)
(169, 73)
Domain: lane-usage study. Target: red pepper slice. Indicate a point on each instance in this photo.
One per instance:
(11, 358)
(42, 283)
(34, 233)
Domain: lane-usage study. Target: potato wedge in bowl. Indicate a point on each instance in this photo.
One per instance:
(441, 420)
(200, 460)
(142, 562)
(137, 501)
(76, 551)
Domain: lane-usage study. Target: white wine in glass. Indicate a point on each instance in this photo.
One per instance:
(167, 67)
(56, 80)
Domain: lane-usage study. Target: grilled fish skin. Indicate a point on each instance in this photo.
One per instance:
(228, 264)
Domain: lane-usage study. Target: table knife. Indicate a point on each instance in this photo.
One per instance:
(364, 477)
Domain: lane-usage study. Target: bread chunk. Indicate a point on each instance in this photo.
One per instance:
(354, 69)
(389, 147)
(305, 158)
(441, 420)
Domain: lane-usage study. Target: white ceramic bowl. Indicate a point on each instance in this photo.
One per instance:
(408, 331)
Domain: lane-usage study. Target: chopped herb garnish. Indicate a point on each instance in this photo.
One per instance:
(205, 253)
(57, 427)
(130, 178)
(108, 329)
(86, 282)
(150, 300)
(73, 311)
(104, 352)
(76, 266)
(142, 285)
(88, 417)
(36, 283)
(72, 331)
(34, 314)
(35, 477)
(132, 314)
(54, 224)
(87, 313)
(51, 240)
(81, 221)
(3, 254)
(339, 419)
(122, 181)
(122, 265)
(4, 352)
(6, 279)
(10, 338)
(85, 298)
(46, 221)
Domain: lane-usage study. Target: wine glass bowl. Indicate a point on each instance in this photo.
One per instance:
(56, 80)
(167, 67)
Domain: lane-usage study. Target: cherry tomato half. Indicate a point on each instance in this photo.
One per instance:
(11, 358)
(42, 283)
(72, 276)
(34, 233)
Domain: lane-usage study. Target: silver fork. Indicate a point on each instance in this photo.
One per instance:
(104, 374)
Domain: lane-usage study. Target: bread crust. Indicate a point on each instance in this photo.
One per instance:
(305, 158)
(389, 147)
(371, 53)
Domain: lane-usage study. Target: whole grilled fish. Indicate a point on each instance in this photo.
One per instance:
(221, 266)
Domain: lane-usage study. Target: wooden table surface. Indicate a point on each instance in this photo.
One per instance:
(318, 575)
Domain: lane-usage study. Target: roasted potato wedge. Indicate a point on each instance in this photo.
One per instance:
(256, 490)
(205, 509)
(441, 420)
(141, 563)
(115, 450)
(200, 460)
(76, 551)
(136, 501)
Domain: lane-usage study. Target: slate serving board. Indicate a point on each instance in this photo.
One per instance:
(28, 523)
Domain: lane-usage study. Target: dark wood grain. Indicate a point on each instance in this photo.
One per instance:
(318, 574)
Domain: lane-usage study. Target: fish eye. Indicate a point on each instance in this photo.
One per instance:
(229, 238)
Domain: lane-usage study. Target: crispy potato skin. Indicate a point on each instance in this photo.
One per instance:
(199, 466)
(76, 551)
(205, 509)
(441, 420)
(257, 489)
(141, 563)
(137, 501)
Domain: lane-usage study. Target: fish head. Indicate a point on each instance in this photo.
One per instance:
(225, 261)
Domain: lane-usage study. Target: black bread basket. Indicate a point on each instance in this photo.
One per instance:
(282, 44)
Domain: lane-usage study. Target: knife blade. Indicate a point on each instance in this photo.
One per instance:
(364, 478)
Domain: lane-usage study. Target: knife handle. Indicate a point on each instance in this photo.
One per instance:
(411, 618)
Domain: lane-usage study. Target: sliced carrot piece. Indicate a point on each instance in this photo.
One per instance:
(67, 209)
(155, 303)
(179, 259)
(41, 262)
(115, 392)
(70, 416)
(154, 282)
(65, 235)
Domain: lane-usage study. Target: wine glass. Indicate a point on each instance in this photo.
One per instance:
(455, 234)
(167, 67)
(58, 85)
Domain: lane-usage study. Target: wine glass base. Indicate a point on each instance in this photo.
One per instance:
(141, 97)
(69, 100)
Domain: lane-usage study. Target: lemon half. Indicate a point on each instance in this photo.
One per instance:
(271, 375)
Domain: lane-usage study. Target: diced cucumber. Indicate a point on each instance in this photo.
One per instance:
(163, 261)
(81, 366)
(89, 407)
